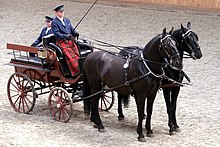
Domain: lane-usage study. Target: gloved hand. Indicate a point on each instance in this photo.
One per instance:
(33, 45)
(68, 36)
(76, 35)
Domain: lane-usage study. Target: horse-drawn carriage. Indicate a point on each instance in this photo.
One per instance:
(48, 72)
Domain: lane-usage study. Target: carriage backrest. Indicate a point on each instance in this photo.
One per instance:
(49, 41)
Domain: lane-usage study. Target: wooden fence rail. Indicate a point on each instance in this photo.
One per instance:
(189, 3)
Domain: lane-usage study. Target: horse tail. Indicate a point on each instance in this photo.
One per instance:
(86, 92)
(124, 99)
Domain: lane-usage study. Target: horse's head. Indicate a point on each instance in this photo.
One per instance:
(168, 49)
(190, 42)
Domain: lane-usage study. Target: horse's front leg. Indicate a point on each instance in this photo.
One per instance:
(174, 96)
(95, 117)
(120, 111)
(167, 97)
(150, 101)
(140, 102)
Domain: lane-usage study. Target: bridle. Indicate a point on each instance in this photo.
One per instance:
(184, 36)
(163, 46)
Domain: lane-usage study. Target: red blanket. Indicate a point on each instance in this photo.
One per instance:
(71, 53)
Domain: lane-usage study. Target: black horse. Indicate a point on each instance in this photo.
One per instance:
(144, 77)
(187, 41)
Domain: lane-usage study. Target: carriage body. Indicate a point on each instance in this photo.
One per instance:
(46, 72)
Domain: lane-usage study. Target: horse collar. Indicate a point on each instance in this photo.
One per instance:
(150, 71)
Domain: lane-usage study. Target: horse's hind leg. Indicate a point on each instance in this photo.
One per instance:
(95, 117)
(167, 97)
(174, 96)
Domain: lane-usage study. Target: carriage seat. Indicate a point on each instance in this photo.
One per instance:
(49, 41)
(85, 47)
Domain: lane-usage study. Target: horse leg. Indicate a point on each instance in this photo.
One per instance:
(120, 111)
(167, 97)
(95, 117)
(150, 101)
(140, 102)
(174, 96)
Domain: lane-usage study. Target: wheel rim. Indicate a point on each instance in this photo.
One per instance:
(106, 101)
(21, 93)
(60, 106)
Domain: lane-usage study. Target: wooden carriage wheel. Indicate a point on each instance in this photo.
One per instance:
(60, 105)
(106, 101)
(21, 93)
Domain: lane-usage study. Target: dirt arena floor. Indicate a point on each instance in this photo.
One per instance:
(198, 110)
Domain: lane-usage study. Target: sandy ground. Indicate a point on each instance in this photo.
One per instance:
(198, 110)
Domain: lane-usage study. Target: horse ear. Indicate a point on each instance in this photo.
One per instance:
(189, 26)
(182, 28)
(171, 31)
(164, 32)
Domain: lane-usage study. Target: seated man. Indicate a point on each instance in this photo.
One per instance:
(44, 32)
(64, 33)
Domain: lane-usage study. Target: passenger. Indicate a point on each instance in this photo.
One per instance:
(64, 33)
(44, 32)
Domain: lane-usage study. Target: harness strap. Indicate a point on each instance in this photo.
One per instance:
(150, 71)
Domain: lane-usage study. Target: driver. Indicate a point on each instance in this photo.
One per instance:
(65, 33)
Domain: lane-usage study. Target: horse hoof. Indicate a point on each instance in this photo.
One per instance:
(121, 118)
(150, 135)
(141, 139)
(172, 133)
(177, 130)
(102, 130)
(95, 126)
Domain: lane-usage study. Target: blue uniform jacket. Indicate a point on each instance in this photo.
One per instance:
(42, 34)
(61, 31)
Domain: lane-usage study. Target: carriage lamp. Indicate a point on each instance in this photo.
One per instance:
(42, 53)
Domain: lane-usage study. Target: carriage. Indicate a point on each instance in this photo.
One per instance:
(48, 72)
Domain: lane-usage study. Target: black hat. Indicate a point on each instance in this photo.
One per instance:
(59, 8)
(48, 18)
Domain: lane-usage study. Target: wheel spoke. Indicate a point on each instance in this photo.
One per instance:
(13, 90)
(22, 84)
(66, 110)
(108, 96)
(101, 103)
(106, 100)
(63, 114)
(19, 81)
(105, 103)
(22, 100)
(26, 85)
(14, 96)
(28, 95)
(65, 104)
(16, 100)
(59, 114)
(16, 82)
(19, 105)
(27, 103)
(54, 114)
(15, 86)
(28, 100)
